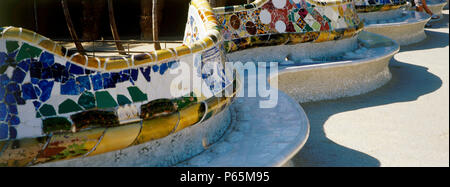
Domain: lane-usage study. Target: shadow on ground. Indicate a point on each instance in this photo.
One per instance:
(321, 151)
(409, 82)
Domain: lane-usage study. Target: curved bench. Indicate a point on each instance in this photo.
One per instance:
(264, 31)
(60, 108)
(389, 18)
(321, 64)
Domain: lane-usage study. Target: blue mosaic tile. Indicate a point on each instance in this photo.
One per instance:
(3, 57)
(38, 91)
(47, 59)
(10, 99)
(4, 131)
(3, 112)
(134, 74)
(35, 69)
(36, 104)
(2, 93)
(115, 76)
(58, 71)
(124, 76)
(4, 80)
(173, 64)
(163, 68)
(12, 56)
(12, 87)
(12, 133)
(107, 81)
(88, 72)
(19, 99)
(70, 88)
(34, 80)
(25, 65)
(8, 118)
(14, 120)
(28, 91)
(18, 75)
(146, 73)
(12, 109)
(84, 82)
(46, 73)
(97, 83)
(46, 88)
(75, 69)
(155, 68)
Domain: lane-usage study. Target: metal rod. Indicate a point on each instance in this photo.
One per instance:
(122, 41)
(35, 16)
(112, 22)
(70, 26)
(155, 23)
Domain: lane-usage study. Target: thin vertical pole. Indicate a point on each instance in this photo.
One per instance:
(35, 16)
(112, 23)
(155, 24)
(212, 3)
(73, 34)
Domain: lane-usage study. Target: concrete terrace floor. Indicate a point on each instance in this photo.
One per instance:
(404, 123)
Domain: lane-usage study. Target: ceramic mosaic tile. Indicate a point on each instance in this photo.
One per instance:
(275, 22)
(59, 105)
(378, 5)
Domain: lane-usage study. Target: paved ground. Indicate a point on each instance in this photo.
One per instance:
(404, 123)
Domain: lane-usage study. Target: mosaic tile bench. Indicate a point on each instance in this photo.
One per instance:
(392, 18)
(60, 108)
(60, 105)
(322, 52)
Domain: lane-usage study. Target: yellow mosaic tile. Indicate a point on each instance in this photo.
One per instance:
(117, 138)
(145, 61)
(28, 36)
(183, 50)
(79, 59)
(116, 64)
(21, 152)
(70, 145)
(12, 32)
(156, 128)
(92, 63)
(164, 54)
(49, 45)
(191, 115)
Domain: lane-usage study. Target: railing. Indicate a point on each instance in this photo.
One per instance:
(122, 42)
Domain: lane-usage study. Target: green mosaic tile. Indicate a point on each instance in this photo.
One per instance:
(47, 110)
(28, 51)
(123, 100)
(308, 28)
(185, 101)
(316, 26)
(87, 100)
(136, 94)
(94, 119)
(38, 115)
(105, 100)
(11, 46)
(56, 124)
(68, 106)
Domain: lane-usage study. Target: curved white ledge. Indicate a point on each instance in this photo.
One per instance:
(360, 71)
(407, 29)
(258, 137)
